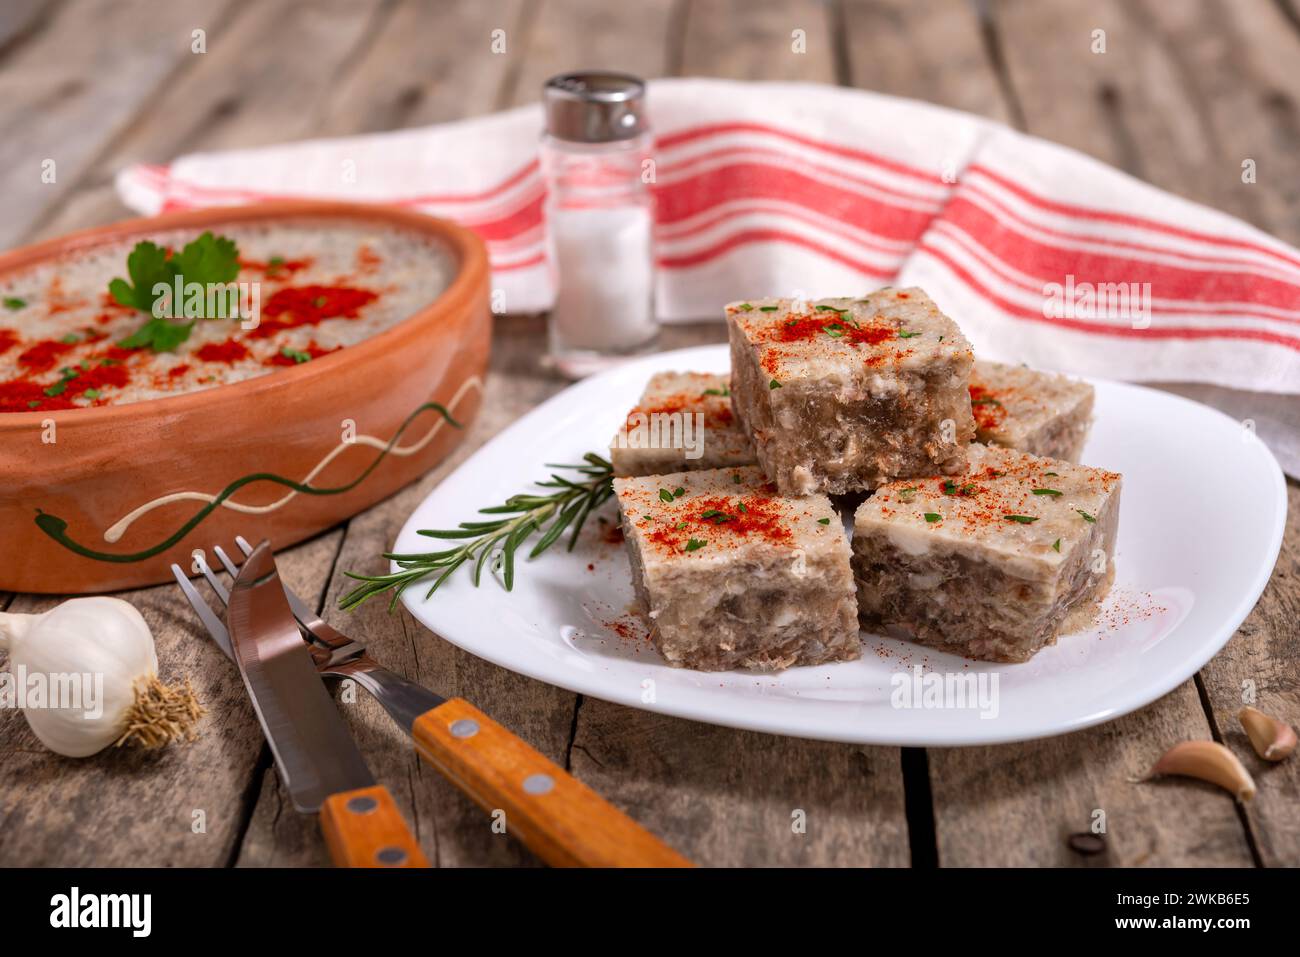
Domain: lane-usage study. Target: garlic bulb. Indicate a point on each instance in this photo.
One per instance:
(85, 674)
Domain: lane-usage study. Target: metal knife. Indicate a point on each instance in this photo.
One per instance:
(318, 761)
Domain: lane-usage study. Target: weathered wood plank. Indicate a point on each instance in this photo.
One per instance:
(244, 91)
(406, 76)
(1139, 107)
(1184, 93)
(19, 20)
(1259, 667)
(76, 83)
(760, 40)
(926, 49)
(132, 808)
(1016, 805)
(633, 38)
(728, 798)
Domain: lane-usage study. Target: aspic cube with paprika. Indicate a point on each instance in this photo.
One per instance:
(990, 564)
(1037, 412)
(845, 395)
(682, 421)
(733, 575)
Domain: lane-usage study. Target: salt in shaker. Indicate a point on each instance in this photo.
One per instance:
(600, 219)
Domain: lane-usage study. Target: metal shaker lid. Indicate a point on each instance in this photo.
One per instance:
(595, 106)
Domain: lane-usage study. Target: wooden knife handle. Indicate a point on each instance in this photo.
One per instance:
(363, 828)
(559, 818)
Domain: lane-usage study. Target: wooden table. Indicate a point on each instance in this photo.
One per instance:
(1184, 93)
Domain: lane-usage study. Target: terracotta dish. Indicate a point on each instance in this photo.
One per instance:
(105, 496)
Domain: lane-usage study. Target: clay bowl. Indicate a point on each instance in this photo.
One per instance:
(60, 501)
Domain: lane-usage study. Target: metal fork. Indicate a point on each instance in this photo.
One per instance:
(334, 653)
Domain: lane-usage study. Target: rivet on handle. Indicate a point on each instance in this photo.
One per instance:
(390, 856)
(538, 784)
(464, 728)
(362, 805)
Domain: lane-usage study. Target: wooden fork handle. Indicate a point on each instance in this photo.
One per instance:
(363, 828)
(559, 818)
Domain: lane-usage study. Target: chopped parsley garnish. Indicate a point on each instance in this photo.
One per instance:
(665, 495)
(715, 516)
(91, 393)
(774, 384)
(1047, 491)
(834, 330)
(14, 303)
(825, 308)
(274, 265)
(1022, 519)
(295, 355)
(741, 507)
(319, 302)
(932, 516)
(1053, 474)
(1056, 545)
(57, 389)
(679, 492)
(823, 521)
(744, 307)
(1086, 516)
(160, 335)
(723, 391)
(735, 477)
(33, 403)
(904, 334)
(71, 339)
(695, 543)
(768, 308)
(950, 488)
(680, 526)
(907, 494)
(989, 400)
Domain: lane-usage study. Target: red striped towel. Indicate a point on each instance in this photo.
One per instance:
(1039, 253)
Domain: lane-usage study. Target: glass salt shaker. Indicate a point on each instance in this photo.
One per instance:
(600, 220)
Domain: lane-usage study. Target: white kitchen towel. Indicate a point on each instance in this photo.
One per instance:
(1041, 255)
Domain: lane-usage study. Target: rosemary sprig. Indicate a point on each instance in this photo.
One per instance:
(566, 508)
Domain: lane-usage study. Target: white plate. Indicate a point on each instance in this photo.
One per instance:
(1202, 514)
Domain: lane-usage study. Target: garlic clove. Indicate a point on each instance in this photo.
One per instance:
(1207, 761)
(1272, 739)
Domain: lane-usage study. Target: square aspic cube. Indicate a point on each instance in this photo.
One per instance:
(1031, 411)
(845, 395)
(733, 575)
(682, 421)
(993, 564)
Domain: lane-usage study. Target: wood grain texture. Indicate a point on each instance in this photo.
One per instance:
(364, 828)
(183, 806)
(74, 82)
(244, 91)
(1184, 93)
(559, 818)
(427, 63)
(1258, 667)
(925, 49)
(755, 40)
(567, 35)
(1017, 805)
(728, 798)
